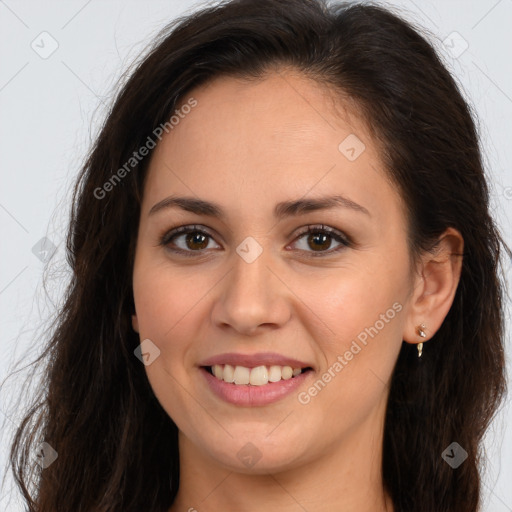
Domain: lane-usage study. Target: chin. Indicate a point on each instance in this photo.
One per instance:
(253, 461)
(257, 453)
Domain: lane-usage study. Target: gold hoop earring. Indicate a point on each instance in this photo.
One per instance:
(421, 332)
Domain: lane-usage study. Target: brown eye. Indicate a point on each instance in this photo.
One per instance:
(196, 240)
(186, 240)
(319, 240)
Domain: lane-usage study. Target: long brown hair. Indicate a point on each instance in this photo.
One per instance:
(117, 448)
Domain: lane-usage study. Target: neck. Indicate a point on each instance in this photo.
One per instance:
(346, 477)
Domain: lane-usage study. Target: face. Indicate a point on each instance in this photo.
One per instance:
(248, 288)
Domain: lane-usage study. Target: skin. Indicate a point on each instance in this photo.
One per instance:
(247, 146)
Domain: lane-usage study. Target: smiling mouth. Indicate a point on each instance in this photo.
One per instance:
(256, 376)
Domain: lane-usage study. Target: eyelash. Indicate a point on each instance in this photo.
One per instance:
(333, 233)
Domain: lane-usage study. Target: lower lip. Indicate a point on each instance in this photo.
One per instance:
(249, 396)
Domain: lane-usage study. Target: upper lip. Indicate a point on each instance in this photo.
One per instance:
(253, 360)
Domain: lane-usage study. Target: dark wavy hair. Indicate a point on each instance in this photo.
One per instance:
(117, 447)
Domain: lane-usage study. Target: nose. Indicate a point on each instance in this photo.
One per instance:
(253, 297)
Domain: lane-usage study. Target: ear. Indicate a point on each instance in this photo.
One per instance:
(435, 283)
(135, 323)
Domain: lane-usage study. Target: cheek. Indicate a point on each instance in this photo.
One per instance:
(165, 299)
(360, 354)
(353, 301)
(167, 307)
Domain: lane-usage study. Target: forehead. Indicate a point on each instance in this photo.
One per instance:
(283, 136)
(281, 106)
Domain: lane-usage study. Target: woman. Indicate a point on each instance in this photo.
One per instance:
(278, 297)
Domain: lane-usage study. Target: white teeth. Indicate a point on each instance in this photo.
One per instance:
(242, 375)
(217, 371)
(287, 372)
(258, 376)
(274, 374)
(229, 373)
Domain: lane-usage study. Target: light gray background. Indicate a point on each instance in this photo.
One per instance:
(50, 109)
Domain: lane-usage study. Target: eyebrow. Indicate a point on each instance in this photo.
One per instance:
(281, 210)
